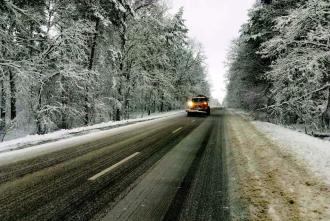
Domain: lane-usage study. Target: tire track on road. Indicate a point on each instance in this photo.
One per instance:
(203, 192)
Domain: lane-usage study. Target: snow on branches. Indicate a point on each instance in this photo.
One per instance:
(70, 63)
(302, 57)
(282, 58)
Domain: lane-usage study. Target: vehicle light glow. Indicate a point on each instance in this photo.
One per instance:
(190, 103)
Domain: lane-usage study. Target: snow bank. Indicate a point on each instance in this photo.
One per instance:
(31, 140)
(313, 151)
(241, 113)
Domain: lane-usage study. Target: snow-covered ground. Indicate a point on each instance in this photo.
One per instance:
(31, 140)
(312, 151)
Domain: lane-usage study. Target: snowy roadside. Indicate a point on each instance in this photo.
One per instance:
(270, 173)
(241, 113)
(32, 140)
(313, 151)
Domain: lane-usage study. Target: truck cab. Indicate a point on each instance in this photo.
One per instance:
(198, 104)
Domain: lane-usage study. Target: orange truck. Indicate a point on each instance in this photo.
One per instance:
(198, 104)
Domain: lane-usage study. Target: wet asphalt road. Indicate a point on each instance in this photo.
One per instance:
(172, 169)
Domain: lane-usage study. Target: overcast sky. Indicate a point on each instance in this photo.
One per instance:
(214, 23)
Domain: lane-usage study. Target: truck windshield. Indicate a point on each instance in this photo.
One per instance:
(199, 99)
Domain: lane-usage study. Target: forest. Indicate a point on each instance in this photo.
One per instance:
(70, 63)
(279, 66)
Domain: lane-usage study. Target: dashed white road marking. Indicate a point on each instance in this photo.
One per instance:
(177, 130)
(113, 167)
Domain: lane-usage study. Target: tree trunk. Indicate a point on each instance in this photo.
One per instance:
(118, 111)
(7, 100)
(64, 102)
(2, 102)
(122, 74)
(88, 107)
(8, 109)
(38, 114)
(162, 103)
(154, 106)
(126, 103)
(117, 114)
(12, 95)
(149, 103)
(326, 113)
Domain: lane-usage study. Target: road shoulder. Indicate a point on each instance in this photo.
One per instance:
(266, 183)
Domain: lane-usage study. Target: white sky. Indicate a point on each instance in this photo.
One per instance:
(214, 23)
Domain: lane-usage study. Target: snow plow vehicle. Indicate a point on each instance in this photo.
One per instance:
(198, 105)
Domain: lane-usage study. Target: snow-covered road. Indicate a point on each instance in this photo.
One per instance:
(171, 168)
(164, 169)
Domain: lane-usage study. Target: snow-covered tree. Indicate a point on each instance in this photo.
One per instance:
(300, 71)
(71, 63)
(280, 63)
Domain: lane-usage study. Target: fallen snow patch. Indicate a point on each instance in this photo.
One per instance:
(31, 140)
(313, 151)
